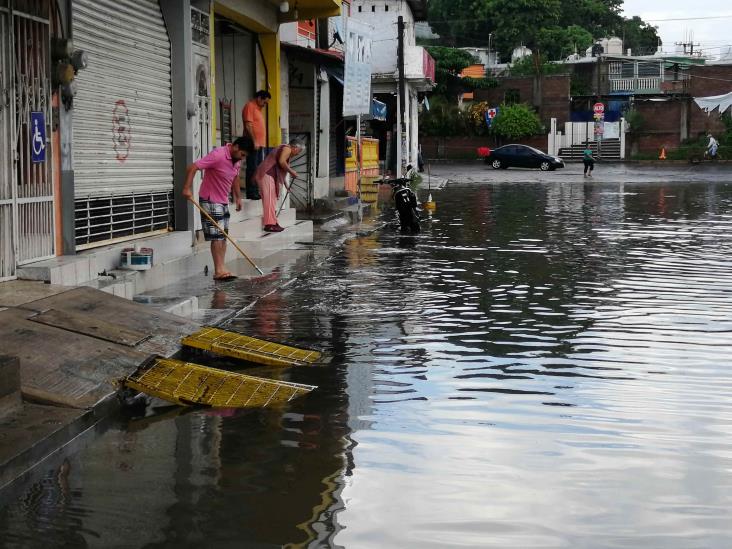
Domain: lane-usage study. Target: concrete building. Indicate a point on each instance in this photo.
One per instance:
(419, 72)
(109, 118)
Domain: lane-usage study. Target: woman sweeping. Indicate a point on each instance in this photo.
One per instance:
(270, 176)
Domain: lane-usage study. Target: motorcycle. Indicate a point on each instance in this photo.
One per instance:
(405, 202)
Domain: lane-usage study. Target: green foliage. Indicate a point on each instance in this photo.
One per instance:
(556, 43)
(726, 139)
(516, 121)
(635, 121)
(448, 64)
(480, 83)
(552, 26)
(638, 35)
(579, 84)
(535, 64)
(443, 119)
(520, 21)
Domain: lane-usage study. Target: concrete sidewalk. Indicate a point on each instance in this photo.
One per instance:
(72, 345)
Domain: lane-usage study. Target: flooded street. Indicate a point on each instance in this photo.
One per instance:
(548, 365)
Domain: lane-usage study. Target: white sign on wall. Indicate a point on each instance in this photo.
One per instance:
(612, 130)
(357, 81)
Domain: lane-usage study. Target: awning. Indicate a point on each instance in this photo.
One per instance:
(712, 102)
(316, 56)
(335, 72)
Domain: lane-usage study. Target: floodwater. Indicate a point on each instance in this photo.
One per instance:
(545, 366)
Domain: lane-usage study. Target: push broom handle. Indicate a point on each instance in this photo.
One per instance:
(212, 220)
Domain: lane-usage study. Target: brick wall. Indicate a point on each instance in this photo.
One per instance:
(710, 80)
(461, 148)
(554, 101)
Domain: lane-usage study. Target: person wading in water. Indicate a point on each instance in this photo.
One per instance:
(588, 160)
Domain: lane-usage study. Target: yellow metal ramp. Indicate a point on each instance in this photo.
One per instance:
(191, 384)
(243, 347)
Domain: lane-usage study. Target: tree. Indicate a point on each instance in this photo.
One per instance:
(639, 36)
(448, 64)
(518, 22)
(516, 121)
(536, 24)
(557, 43)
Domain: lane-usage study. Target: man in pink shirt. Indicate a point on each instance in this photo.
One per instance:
(220, 177)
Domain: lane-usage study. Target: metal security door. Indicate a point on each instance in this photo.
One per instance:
(301, 189)
(26, 187)
(7, 194)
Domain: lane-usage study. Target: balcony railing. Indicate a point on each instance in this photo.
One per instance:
(644, 84)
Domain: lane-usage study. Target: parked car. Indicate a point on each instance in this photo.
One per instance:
(522, 156)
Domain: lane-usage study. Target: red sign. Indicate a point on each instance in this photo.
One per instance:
(599, 108)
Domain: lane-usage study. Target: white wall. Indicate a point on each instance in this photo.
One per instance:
(384, 46)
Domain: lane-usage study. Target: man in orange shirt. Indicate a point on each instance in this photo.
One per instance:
(256, 129)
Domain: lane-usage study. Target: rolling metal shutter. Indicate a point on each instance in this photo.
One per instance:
(123, 144)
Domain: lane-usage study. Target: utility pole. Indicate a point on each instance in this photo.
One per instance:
(401, 100)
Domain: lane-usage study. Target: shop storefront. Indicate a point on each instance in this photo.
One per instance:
(122, 123)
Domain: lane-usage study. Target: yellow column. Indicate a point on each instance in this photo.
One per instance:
(270, 44)
(212, 75)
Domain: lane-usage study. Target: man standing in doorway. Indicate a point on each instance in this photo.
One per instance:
(220, 177)
(255, 128)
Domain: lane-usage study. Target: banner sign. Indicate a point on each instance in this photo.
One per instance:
(490, 114)
(38, 137)
(357, 71)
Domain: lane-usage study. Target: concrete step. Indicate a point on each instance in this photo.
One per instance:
(185, 306)
(265, 244)
(10, 400)
(173, 254)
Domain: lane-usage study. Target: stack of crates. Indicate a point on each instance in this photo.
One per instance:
(369, 189)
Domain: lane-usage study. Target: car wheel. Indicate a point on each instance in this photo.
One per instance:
(496, 164)
(545, 166)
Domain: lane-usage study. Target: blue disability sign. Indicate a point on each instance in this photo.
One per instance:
(38, 137)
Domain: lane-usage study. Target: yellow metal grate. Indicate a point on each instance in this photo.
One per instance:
(191, 384)
(252, 349)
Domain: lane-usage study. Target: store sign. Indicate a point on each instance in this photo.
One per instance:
(38, 137)
(357, 70)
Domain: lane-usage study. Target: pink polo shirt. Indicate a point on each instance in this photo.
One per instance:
(219, 173)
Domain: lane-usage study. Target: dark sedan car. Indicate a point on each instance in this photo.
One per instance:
(522, 156)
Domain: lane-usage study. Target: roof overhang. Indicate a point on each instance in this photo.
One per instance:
(419, 9)
(302, 10)
(313, 55)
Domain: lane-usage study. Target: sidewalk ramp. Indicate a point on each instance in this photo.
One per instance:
(194, 385)
(260, 351)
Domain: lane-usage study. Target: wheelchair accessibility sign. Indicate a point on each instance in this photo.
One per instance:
(38, 137)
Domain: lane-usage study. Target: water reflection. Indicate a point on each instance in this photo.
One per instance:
(544, 366)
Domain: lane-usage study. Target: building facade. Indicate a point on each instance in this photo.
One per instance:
(112, 101)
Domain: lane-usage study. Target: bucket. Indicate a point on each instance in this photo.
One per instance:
(136, 259)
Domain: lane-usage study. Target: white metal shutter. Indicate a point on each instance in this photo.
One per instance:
(122, 111)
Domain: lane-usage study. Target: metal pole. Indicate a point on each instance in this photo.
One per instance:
(359, 164)
(401, 98)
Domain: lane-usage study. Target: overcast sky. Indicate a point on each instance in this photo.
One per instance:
(713, 34)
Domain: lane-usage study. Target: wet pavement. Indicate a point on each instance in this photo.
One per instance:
(546, 365)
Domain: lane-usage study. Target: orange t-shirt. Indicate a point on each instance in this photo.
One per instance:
(252, 113)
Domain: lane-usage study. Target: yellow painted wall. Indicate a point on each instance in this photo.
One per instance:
(270, 44)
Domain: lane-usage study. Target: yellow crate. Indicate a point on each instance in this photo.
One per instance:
(243, 347)
(192, 384)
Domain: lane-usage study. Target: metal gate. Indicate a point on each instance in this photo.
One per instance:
(201, 143)
(26, 187)
(123, 122)
(301, 189)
